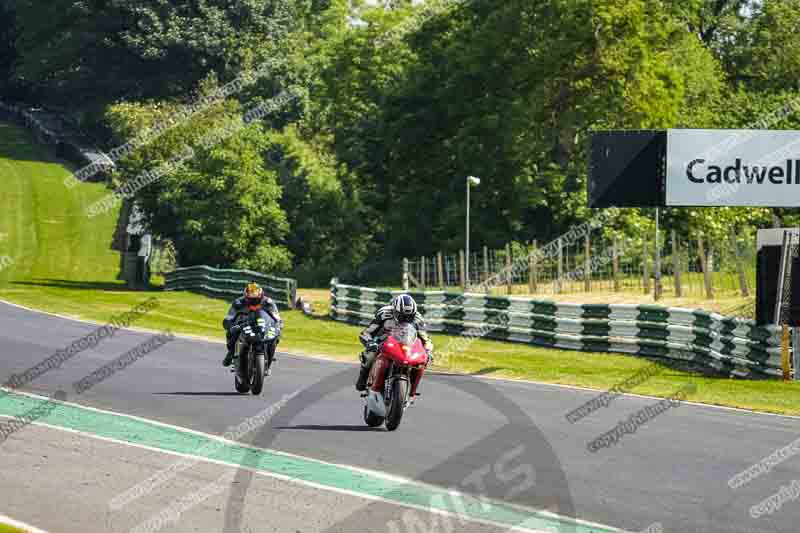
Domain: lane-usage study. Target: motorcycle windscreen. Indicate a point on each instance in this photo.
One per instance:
(405, 334)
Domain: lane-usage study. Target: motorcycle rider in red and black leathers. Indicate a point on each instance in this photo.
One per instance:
(402, 309)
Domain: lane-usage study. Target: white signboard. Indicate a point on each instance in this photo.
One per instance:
(733, 168)
(774, 236)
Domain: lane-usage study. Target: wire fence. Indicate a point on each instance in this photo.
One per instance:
(689, 267)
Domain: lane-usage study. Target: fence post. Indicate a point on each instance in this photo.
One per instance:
(440, 265)
(532, 270)
(461, 276)
(485, 264)
(587, 266)
(422, 273)
(645, 268)
(509, 276)
(795, 353)
(785, 364)
(704, 265)
(657, 289)
(615, 265)
(676, 264)
(560, 272)
(739, 264)
(405, 274)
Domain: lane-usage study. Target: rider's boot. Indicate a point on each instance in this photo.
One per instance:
(367, 359)
(230, 342)
(270, 356)
(361, 383)
(228, 358)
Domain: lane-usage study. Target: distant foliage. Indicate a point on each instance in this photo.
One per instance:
(397, 104)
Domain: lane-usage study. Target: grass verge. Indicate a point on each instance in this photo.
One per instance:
(44, 231)
(5, 528)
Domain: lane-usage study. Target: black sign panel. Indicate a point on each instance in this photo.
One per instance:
(627, 169)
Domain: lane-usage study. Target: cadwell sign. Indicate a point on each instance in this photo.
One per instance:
(733, 168)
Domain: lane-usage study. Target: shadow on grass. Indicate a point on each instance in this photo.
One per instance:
(314, 427)
(482, 372)
(83, 285)
(327, 318)
(19, 144)
(487, 370)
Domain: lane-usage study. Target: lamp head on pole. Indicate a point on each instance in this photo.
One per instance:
(472, 180)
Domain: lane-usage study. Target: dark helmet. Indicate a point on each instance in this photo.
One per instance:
(404, 308)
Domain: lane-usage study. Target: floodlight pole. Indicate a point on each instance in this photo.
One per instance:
(471, 180)
(466, 252)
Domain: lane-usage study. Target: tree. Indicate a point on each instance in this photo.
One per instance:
(712, 20)
(399, 102)
(94, 53)
(221, 205)
(329, 231)
(8, 49)
(467, 104)
(767, 52)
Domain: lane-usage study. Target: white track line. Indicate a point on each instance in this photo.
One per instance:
(283, 477)
(19, 525)
(487, 378)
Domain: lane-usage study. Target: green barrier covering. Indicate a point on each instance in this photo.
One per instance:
(228, 283)
(734, 346)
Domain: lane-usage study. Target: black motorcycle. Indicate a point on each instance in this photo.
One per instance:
(254, 352)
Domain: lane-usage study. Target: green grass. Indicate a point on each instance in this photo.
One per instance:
(43, 229)
(5, 528)
(64, 264)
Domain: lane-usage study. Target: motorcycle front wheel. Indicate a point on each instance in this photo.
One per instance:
(397, 404)
(257, 372)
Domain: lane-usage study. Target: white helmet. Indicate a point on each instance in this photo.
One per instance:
(404, 308)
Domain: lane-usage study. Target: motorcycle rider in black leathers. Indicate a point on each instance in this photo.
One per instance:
(402, 309)
(252, 299)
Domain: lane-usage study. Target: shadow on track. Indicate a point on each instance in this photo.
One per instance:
(314, 427)
(201, 393)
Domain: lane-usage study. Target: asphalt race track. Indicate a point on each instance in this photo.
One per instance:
(509, 441)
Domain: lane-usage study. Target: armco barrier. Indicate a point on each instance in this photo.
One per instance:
(49, 128)
(733, 346)
(228, 283)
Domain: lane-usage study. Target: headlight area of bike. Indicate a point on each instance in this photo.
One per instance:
(405, 337)
(259, 330)
(414, 355)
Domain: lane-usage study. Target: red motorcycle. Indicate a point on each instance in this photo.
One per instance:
(394, 378)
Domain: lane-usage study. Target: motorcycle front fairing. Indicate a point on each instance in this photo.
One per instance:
(403, 347)
(259, 327)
